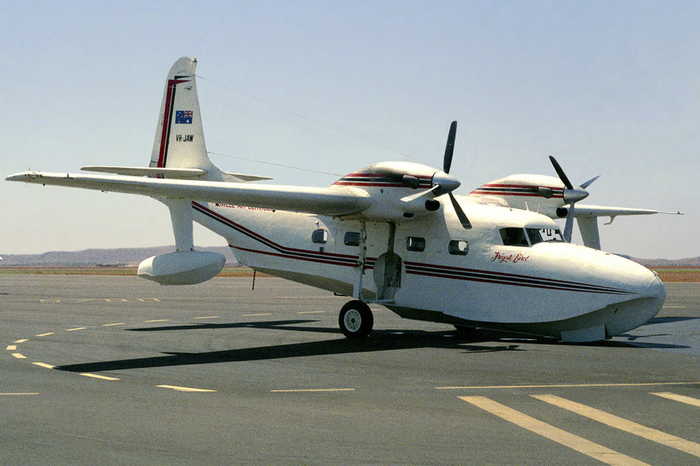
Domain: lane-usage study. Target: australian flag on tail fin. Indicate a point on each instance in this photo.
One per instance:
(183, 117)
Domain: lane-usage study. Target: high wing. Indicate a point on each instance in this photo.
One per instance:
(587, 219)
(594, 211)
(334, 201)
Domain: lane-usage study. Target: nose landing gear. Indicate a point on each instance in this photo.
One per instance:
(356, 320)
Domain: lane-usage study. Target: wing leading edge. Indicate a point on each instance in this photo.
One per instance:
(333, 201)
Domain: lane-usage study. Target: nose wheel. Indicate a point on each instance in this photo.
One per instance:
(356, 320)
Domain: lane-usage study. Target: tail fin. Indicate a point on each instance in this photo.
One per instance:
(179, 141)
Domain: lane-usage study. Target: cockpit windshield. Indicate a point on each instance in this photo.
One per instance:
(529, 236)
(542, 235)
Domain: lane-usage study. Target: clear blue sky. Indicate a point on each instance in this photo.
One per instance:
(609, 88)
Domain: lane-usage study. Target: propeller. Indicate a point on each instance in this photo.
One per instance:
(443, 183)
(571, 196)
(446, 165)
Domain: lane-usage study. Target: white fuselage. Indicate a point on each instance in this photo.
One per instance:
(430, 268)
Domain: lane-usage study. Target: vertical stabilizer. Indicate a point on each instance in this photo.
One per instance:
(179, 141)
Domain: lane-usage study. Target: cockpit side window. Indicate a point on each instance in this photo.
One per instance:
(514, 237)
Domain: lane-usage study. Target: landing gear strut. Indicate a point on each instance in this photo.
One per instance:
(356, 320)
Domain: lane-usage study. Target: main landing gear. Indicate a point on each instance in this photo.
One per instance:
(356, 320)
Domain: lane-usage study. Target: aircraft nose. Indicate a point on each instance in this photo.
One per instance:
(650, 295)
(656, 289)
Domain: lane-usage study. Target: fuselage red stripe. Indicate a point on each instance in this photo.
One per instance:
(412, 268)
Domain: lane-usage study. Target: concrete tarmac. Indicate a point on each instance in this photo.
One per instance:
(117, 370)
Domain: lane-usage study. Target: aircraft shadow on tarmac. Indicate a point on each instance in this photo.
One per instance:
(469, 342)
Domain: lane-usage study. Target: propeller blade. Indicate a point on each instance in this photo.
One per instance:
(589, 182)
(449, 148)
(415, 196)
(569, 227)
(562, 176)
(460, 213)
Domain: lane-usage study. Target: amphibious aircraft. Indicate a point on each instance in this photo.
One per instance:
(393, 234)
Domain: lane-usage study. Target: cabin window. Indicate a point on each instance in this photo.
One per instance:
(415, 244)
(458, 247)
(541, 235)
(514, 237)
(319, 236)
(352, 238)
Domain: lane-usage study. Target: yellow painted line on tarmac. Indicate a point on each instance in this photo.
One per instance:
(114, 324)
(44, 334)
(11, 348)
(611, 420)
(206, 317)
(19, 356)
(256, 315)
(312, 312)
(313, 390)
(21, 341)
(550, 432)
(157, 320)
(186, 389)
(680, 398)
(568, 385)
(97, 376)
(44, 365)
(75, 329)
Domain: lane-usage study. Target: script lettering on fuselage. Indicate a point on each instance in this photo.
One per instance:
(233, 206)
(512, 258)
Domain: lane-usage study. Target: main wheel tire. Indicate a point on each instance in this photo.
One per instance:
(356, 320)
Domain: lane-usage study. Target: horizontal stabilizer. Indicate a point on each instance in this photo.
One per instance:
(172, 173)
(147, 171)
(243, 177)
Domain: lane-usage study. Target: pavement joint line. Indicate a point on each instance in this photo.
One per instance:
(97, 376)
(572, 385)
(624, 425)
(562, 437)
(186, 389)
(680, 398)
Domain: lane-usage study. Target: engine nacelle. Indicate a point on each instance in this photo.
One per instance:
(182, 268)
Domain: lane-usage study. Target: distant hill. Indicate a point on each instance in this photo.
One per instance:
(100, 257)
(691, 262)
